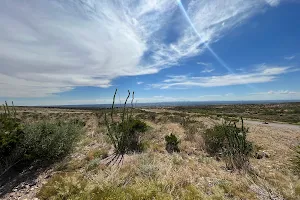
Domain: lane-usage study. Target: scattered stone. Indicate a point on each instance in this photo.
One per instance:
(32, 183)
(47, 176)
(261, 155)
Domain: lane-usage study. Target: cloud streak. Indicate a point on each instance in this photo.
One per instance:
(49, 47)
(289, 57)
(260, 75)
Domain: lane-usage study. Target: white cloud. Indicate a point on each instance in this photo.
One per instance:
(208, 70)
(203, 63)
(273, 2)
(207, 67)
(276, 92)
(139, 83)
(289, 57)
(262, 75)
(49, 47)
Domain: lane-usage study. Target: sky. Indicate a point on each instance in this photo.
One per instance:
(55, 52)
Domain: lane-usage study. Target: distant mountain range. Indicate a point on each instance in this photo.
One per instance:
(179, 103)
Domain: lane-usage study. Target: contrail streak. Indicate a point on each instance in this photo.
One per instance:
(206, 45)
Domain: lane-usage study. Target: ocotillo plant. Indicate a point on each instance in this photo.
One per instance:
(124, 134)
(7, 112)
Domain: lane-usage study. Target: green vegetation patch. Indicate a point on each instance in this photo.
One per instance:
(230, 142)
(45, 140)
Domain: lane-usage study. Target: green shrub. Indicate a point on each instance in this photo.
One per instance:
(172, 143)
(230, 142)
(214, 139)
(11, 135)
(50, 140)
(125, 134)
(47, 141)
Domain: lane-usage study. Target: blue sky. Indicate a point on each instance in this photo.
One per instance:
(78, 51)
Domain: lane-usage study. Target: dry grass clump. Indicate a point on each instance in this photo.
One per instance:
(296, 160)
(150, 176)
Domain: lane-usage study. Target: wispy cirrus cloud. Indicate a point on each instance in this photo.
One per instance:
(204, 64)
(289, 57)
(260, 75)
(276, 92)
(139, 82)
(61, 45)
(207, 67)
(208, 70)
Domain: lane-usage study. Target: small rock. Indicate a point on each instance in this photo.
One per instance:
(32, 183)
(261, 154)
(47, 176)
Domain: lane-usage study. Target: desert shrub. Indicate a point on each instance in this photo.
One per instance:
(125, 134)
(11, 135)
(172, 143)
(230, 141)
(78, 122)
(25, 143)
(214, 139)
(50, 140)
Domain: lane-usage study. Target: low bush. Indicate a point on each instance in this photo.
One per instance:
(172, 143)
(11, 135)
(214, 139)
(229, 141)
(50, 140)
(24, 143)
(125, 134)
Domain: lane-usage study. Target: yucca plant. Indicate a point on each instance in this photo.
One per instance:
(124, 134)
